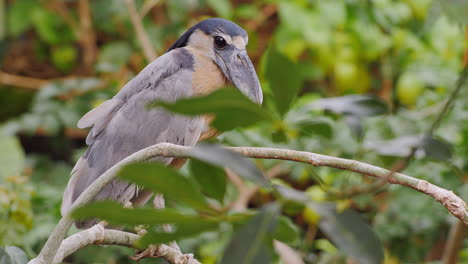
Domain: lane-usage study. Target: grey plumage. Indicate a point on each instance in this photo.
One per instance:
(208, 56)
(123, 125)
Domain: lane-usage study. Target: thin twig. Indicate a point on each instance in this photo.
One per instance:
(454, 204)
(21, 81)
(143, 38)
(62, 10)
(87, 35)
(246, 192)
(454, 243)
(147, 6)
(159, 203)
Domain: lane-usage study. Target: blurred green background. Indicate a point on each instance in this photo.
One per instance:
(59, 59)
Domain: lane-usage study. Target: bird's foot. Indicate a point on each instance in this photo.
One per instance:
(185, 258)
(151, 252)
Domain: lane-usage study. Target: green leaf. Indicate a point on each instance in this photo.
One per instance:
(321, 127)
(181, 231)
(404, 145)
(115, 214)
(224, 158)
(229, 106)
(4, 257)
(437, 149)
(222, 7)
(11, 156)
(161, 179)
(113, 56)
(50, 27)
(251, 242)
(19, 16)
(350, 233)
(291, 195)
(16, 254)
(212, 180)
(286, 231)
(433, 14)
(283, 77)
(355, 105)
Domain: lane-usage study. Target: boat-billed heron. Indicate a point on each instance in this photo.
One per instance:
(207, 57)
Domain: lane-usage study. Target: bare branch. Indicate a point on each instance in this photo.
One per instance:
(147, 6)
(98, 235)
(143, 38)
(87, 35)
(454, 204)
(22, 81)
(454, 243)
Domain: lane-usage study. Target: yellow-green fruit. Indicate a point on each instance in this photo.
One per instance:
(310, 216)
(351, 78)
(64, 57)
(409, 88)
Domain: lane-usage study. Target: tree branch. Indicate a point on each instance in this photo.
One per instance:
(143, 38)
(28, 83)
(87, 35)
(98, 235)
(454, 204)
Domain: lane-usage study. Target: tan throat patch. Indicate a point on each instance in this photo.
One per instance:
(207, 76)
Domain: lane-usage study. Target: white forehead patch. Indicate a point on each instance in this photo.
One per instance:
(239, 42)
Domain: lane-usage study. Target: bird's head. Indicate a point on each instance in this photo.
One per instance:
(224, 42)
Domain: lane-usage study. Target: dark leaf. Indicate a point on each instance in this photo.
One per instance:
(4, 257)
(398, 147)
(355, 124)
(291, 195)
(249, 244)
(403, 146)
(161, 179)
(356, 105)
(350, 233)
(115, 214)
(437, 149)
(185, 230)
(229, 106)
(212, 179)
(286, 231)
(320, 127)
(284, 78)
(224, 158)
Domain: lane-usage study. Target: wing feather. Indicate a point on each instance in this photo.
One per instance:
(123, 125)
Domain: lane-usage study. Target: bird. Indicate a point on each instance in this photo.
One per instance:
(208, 56)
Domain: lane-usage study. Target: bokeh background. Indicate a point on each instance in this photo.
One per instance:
(59, 59)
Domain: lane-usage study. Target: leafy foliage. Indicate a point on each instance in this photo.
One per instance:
(357, 80)
(229, 106)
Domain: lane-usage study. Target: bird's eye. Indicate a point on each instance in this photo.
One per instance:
(219, 42)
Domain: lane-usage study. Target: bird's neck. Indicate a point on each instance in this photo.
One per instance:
(207, 76)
